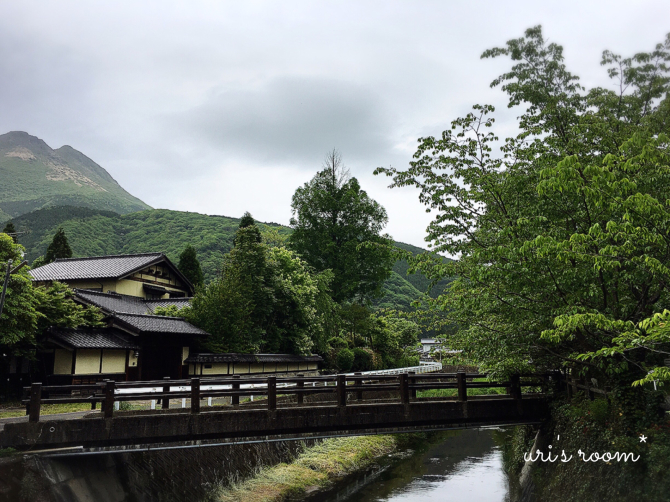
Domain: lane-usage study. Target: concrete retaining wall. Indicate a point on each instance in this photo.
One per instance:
(155, 476)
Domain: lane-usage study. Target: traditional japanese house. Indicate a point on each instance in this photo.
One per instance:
(146, 275)
(135, 344)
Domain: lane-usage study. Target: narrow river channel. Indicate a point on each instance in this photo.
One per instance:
(462, 466)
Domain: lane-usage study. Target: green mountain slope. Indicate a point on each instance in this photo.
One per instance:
(418, 280)
(33, 176)
(93, 232)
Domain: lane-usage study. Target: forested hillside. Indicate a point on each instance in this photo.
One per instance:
(33, 176)
(92, 232)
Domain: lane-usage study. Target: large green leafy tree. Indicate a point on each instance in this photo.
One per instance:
(266, 300)
(29, 310)
(563, 236)
(189, 265)
(59, 247)
(332, 218)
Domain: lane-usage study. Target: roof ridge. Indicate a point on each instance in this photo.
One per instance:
(101, 293)
(147, 315)
(108, 256)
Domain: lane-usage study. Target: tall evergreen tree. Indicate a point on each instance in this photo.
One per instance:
(235, 308)
(59, 247)
(189, 265)
(266, 300)
(332, 217)
(10, 229)
(247, 220)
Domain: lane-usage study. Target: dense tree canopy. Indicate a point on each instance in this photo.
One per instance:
(266, 300)
(332, 217)
(189, 265)
(563, 237)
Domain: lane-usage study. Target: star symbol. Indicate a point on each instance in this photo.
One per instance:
(643, 438)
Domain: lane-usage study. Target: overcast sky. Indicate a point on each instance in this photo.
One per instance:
(225, 107)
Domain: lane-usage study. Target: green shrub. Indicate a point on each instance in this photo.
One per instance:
(345, 359)
(337, 342)
(362, 360)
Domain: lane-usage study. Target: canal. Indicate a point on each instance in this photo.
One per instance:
(459, 465)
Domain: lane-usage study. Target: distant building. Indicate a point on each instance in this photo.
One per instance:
(429, 345)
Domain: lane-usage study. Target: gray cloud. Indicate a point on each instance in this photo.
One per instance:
(290, 121)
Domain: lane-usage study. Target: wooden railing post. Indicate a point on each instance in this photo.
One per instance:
(412, 393)
(235, 400)
(461, 384)
(272, 393)
(515, 386)
(110, 385)
(300, 385)
(35, 402)
(195, 395)
(359, 383)
(404, 388)
(341, 390)
(166, 390)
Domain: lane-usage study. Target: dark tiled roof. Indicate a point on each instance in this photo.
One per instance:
(90, 338)
(114, 302)
(251, 358)
(94, 267)
(156, 324)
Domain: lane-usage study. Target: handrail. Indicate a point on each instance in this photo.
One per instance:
(109, 393)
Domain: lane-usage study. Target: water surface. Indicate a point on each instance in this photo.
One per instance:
(466, 466)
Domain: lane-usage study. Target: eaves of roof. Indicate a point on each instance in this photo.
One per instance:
(139, 324)
(251, 358)
(90, 338)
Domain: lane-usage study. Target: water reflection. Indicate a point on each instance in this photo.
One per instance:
(466, 466)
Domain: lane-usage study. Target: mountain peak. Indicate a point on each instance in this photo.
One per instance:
(25, 140)
(33, 176)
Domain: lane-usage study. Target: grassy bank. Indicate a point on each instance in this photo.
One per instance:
(46, 409)
(317, 467)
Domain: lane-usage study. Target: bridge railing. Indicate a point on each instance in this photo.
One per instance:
(404, 385)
